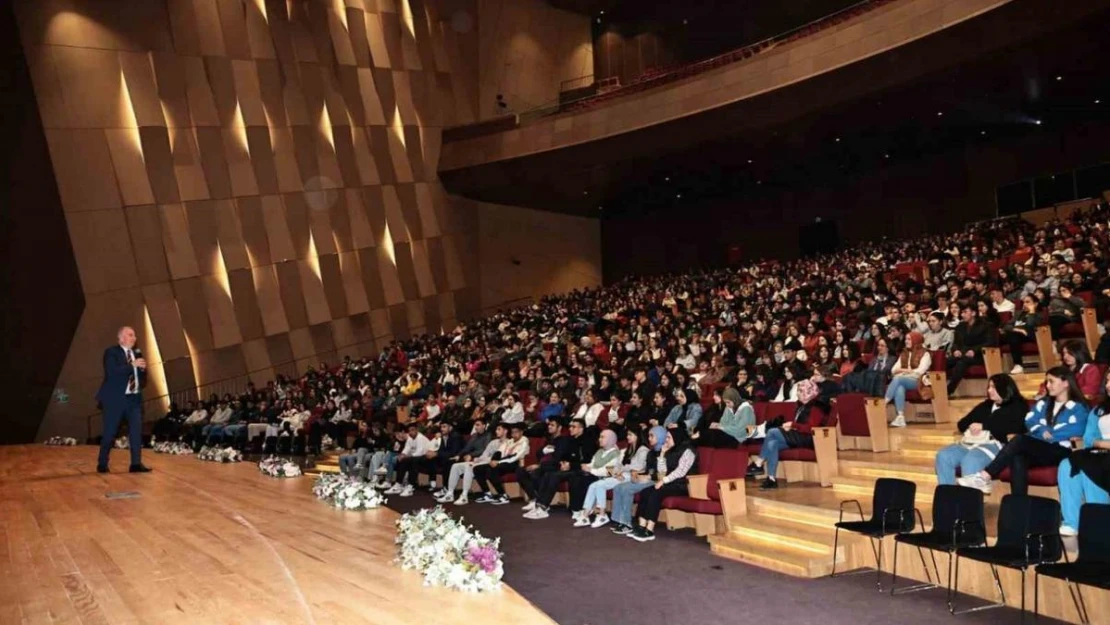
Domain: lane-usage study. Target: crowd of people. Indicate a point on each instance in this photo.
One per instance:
(590, 369)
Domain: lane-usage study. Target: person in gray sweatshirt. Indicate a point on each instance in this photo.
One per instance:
(477, 451)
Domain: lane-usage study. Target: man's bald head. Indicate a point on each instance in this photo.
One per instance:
(126, 336)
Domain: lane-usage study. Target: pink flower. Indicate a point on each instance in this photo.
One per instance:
(485, 558)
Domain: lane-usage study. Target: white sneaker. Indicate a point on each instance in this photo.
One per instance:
(1068, 531)
(439, 494)
(600, 521)
(976, 481)
(407, 491)
(444, 498)
(537, 514)
(898, 422)
(394, 490)
(461, 501)
(1017, 370)
(529, 507)
(380, 471)
(582, 521)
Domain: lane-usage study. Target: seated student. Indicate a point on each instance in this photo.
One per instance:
(439, 464)
(969, 339)
(236, 429)
(527, 477)
(686, 412)
(985, 429)
(1075, 356)
(625, 493)
(735, 426)
(709, 416)
(383, 464)
(938, 337)
(477, 452)
(907, 374)
(408, 463)
(676, 460)
(632, 462)
(1020, 330)
(1052, 423)
(169, 426)
(1083, 476)
(352, 463)
(812, 411)
(505, 460)
(571, 453)
(604, 462)
(1063, 308)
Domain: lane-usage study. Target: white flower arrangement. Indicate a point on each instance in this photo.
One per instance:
(215, 454)
(64, 441)
(276, 467)
(346, 492)
(121, 443)
(448, 552)
(172, 448)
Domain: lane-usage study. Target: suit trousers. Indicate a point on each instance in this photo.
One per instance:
(131, 409)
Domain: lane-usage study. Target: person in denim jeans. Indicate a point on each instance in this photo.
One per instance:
(634, 460)
(625, 492)
(386, 459)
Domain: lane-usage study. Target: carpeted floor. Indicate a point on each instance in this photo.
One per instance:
(593, 577)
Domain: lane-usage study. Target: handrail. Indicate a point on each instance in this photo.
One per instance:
(563, 84)
(698, 66)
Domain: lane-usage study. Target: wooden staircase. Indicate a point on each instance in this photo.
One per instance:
(328, 462)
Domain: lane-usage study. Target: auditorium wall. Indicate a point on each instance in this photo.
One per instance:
(252, 183)
(939, 193)
(526, 253)
(527, 49)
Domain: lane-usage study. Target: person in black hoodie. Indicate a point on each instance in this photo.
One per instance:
(451, 443)
(1001, 416)
(571, 452)
(527, 477)
(675, 462)
(971, 336)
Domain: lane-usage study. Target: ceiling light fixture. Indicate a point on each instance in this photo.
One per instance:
(1059, 78)
(940, 113)
(1037, 122)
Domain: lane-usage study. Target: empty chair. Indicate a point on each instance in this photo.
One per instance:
(1028, 535)
(957, 522)
(892, 512)
(1091, 567)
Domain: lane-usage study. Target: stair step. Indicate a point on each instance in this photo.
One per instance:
(781, 559)
(912, 468)
(863, 487)
(798, 513)
(756, 530)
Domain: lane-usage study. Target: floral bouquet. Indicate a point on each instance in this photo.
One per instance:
(276, 467)
(66, 441)
(172, 448)
(355, 495)
(326, 442)
(346, 492)
(215, 454)
(447, 552)
(121, 443)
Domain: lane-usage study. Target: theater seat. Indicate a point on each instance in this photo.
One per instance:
(798, 454)
(1038, 476)
(689, 504)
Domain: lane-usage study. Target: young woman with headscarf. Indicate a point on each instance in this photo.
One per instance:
(812, 411)
(687, 411)
(632, 461)
(604, 460)
(625, 492)
(675, 461)
(907, 374)
(732, 428)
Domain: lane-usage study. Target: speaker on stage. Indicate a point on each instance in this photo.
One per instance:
(819, 237)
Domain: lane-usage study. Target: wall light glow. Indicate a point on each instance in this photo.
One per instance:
(240, 128)
(397, 127)
(341, 9)
(406, 17)
(313, 258)
(221, 271)
(156, 376)
(129, 119)
(261, 4)
(325, 127)
(387, 243)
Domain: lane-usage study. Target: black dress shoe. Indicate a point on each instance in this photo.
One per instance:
(100, 469)
(138, 468)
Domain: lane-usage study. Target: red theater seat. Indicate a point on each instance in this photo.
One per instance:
(1038, 476)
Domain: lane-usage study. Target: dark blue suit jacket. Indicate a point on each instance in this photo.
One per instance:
(116, 374)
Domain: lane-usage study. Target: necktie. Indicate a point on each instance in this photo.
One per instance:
(132, 381)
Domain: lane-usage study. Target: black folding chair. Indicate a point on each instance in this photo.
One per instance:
(1028, 535)
(892, 513)
(957, 522)
(1091, 566)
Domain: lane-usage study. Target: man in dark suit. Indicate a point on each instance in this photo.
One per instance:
(121, 397)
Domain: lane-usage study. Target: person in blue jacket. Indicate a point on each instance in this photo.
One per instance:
(1084, 477)
(1054, 420)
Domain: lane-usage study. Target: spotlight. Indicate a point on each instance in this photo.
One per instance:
(600, 207)
(1037, 122)
(940, 113)
(1098, 101)
(601, 12)
(585, 193)
(983, 132)
(678, 196)
(599, 20)
(886, 156)
(838, 139)
(749, 161)
(1058, 78)
(667, 179)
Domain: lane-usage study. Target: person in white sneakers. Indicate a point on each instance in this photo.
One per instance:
(506, 460)
(604, 461)
(907, 374)
(633, 460)
(382, 466)
(407, 467)
(464, 468)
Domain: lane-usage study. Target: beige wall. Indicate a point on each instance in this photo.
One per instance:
(253, 184)
(556, 253)
(526, 49)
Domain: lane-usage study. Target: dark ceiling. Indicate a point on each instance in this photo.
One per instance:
(982, 81)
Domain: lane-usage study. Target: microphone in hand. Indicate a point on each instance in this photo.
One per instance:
(140, 362)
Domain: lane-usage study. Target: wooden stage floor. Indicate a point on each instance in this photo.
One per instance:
(204, 544)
